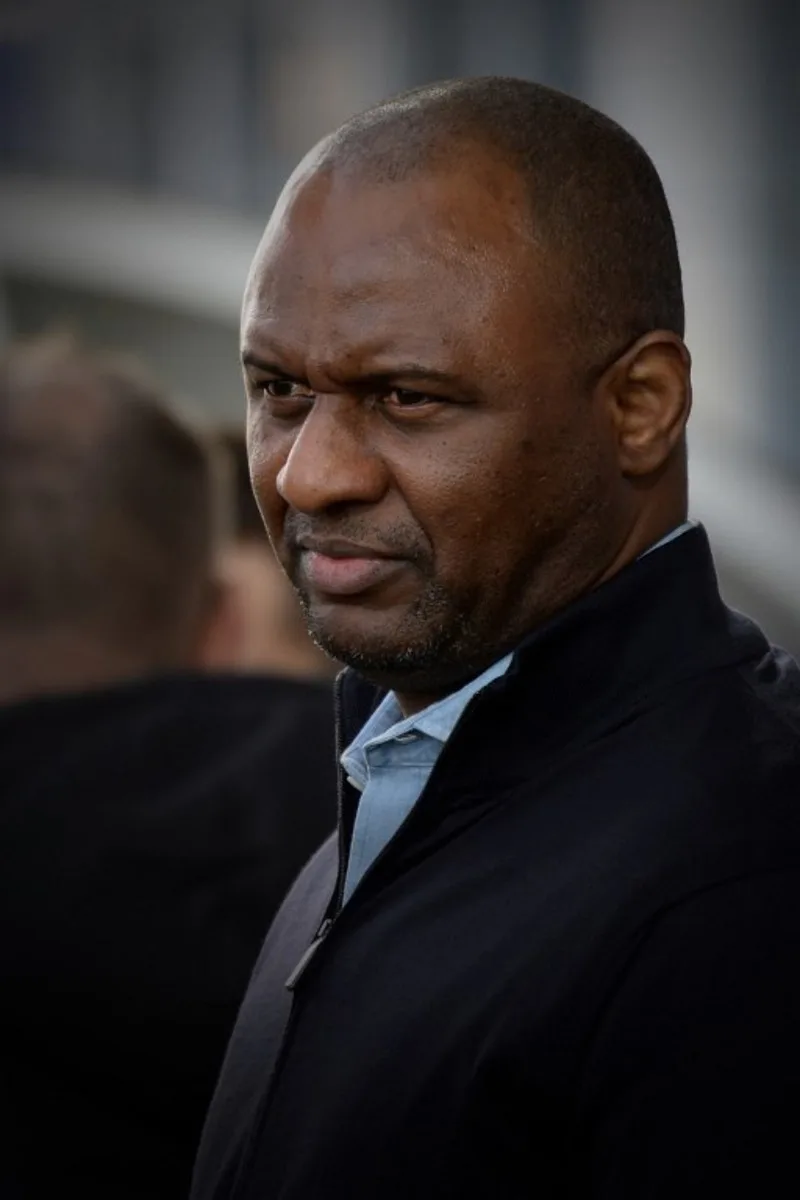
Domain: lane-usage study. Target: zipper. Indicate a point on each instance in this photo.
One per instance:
(338, 895)
(338, 902)
(250, 1149)
(299, 970)
(327, 925)
(323, 932)
(337, 719)
(325, 928)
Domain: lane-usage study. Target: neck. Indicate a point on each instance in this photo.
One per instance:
(646, 532)
(413, 703)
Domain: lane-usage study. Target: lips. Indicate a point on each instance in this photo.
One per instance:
(348, 574)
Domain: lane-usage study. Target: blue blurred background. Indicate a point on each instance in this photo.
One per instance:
(143, 144)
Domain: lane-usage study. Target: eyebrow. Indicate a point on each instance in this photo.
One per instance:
(403, 370)
(249, 359)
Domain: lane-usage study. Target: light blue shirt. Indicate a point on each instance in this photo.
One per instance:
(391, 758)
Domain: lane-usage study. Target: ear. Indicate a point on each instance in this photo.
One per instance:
(649, 394)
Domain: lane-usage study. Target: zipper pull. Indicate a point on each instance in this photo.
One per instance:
(322, 933)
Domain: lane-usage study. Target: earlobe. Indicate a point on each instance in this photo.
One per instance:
(650, 393)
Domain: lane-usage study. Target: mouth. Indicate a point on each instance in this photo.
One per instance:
(342, 568)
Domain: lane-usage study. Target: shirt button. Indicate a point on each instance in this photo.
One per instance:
(411, 736)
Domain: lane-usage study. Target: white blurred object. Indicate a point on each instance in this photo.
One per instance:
(165, 252)
(752, 515)
(683, 78)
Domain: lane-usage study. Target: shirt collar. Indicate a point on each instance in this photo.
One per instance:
(438, 721)
(670, 537)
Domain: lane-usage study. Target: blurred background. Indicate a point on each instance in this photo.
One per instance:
(143, 144)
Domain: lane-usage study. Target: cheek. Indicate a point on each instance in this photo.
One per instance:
(486, 505)
(267, 455)
(464, 498)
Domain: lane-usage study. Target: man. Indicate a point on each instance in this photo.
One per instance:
(554, 952)
(152, 815)
(266, 629)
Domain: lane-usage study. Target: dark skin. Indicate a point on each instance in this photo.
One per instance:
(420, 413)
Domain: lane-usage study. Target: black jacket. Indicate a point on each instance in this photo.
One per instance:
(147, 835)
(575, 971)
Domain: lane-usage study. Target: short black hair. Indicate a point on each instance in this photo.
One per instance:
(596, 197)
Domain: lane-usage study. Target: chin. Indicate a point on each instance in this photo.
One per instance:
(405, 654)
(379, 660)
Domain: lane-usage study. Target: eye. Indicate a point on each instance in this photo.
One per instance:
(285, 389)
(402, 398)
(282, 399)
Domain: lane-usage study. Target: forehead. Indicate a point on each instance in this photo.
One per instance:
(429, 260)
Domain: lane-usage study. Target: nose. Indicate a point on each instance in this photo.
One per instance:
(330, 462)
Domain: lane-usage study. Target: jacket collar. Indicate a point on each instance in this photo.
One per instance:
(658, 621)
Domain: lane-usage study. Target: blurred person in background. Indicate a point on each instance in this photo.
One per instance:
(266, 630)
(154, 808)
(554, 950)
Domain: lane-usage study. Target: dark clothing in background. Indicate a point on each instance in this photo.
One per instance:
(147, 835)
(575, 971)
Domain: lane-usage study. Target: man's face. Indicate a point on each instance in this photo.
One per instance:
(432, 473)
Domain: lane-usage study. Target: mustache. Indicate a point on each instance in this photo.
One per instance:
(395, 540)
